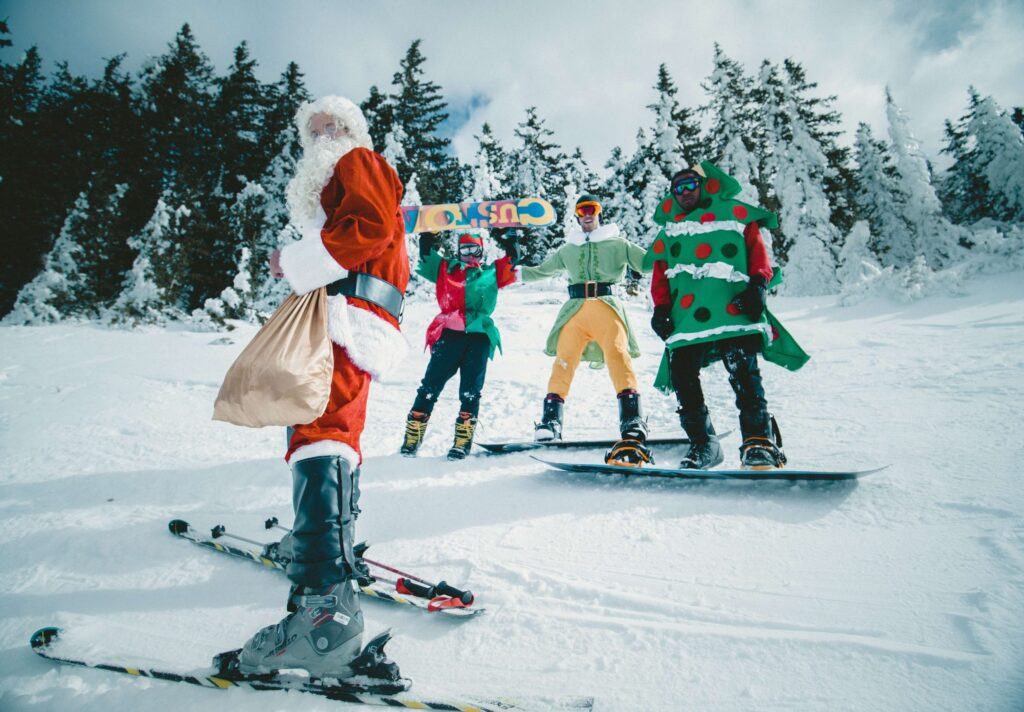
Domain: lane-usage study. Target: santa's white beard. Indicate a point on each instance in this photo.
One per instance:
(312, 173)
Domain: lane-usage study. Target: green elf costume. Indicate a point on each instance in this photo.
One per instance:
(711, 275)
(592, 326)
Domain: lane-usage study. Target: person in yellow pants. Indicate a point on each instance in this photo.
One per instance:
(592, 326)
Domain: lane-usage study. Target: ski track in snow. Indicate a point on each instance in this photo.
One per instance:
(902, 591)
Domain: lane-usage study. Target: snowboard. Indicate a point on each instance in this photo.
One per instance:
(668, 472)
(501, 448)
(524, 212)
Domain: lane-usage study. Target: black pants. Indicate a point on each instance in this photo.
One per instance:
(459, 351)
(740, 358)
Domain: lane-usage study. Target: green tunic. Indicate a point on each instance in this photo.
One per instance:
(706, 258)
(599, 256)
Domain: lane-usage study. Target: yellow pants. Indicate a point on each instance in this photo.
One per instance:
(595, 321)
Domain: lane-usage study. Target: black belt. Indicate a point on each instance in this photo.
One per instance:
(372, 289)
(590, 290)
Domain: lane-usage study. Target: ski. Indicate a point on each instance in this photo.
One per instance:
(219, 676)
(379, 589)
(643, 472)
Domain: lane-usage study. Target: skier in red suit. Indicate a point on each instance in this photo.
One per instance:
(344, 200)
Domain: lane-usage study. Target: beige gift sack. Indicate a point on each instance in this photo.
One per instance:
(283, 377)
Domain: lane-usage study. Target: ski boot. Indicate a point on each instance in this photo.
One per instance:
(550, 425)
(415, 429)
(322, 634)
(630, 450)
(762, 441)
(465, 426)
(705, 451)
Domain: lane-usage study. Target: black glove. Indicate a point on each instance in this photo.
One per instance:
(428, 241)
(661, 322)
(513, 252)
(751, 300)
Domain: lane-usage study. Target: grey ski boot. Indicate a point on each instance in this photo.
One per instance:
(322, 632)
(705, 451)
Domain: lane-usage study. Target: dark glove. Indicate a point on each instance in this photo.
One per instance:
(751, 300)
(428, 241)
(513, 252)
(661, 322)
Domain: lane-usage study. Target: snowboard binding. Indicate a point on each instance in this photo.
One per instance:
(629, 452)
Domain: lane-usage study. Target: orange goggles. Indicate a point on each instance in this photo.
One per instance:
(588, 208)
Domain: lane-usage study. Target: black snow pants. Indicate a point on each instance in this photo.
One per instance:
(459, 351)
(740, 358)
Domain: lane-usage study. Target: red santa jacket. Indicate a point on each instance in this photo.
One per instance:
(361, 230)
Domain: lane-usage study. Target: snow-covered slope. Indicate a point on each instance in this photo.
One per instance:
(904, 591)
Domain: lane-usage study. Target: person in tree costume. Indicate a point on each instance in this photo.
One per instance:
(462, 337)
(711, 276)
(344, 200)
(593, 326)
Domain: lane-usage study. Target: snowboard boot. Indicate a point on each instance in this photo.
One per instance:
(630, 450)
(465, 426)
(550, 425)
(415, 429)
(322, 635)
(762, 442)
(705, 451)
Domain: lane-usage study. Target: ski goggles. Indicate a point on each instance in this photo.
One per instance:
(470, 249)
(330, 130)
(685, 184)
(588, 208)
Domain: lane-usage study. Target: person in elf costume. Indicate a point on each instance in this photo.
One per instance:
(711, 275)
(462, 337)
(593, 326)
(344, 199)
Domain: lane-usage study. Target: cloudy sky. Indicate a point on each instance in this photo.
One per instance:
(588, 66)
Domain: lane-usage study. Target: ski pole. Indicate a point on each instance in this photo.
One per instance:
(218, 531)
(440, 589)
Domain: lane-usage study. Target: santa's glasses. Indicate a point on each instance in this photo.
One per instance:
(329, 130)
(685, 184)
(588, 208)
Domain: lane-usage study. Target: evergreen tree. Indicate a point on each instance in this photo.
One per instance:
(733, 138)
(795, 165)
(665, 134)
(963, 190)
(536, 173)
(999, 159)
(379, 113)
(621, 207)
(857, 262)
(933, 236)
(489, 178)
(880, 199)
(240, 112)
(56, 291)
(418, 110)
(277, 229)
(285, 97)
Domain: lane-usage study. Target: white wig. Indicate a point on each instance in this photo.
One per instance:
(344, 112)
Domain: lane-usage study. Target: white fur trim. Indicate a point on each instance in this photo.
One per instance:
(715, 270)
(766, 328)
(605, 232)
(699, 228)
(343, 110)
(306, 263)
(326, 448)
(371, 342)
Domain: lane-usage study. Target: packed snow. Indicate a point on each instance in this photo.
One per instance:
(902, 591)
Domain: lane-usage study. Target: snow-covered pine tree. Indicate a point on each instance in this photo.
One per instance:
(857, 263)
(962, 188)
(734, 136)
(536, 174)
(379, 113)
(879, 198)
(240, 112)
(667, 147)
(621, 207)
(795, 166)
(419, 109)
(489, 176)
(999, 159)
(933, 236)
(144, 294)
(411, 196)
(55, 293)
